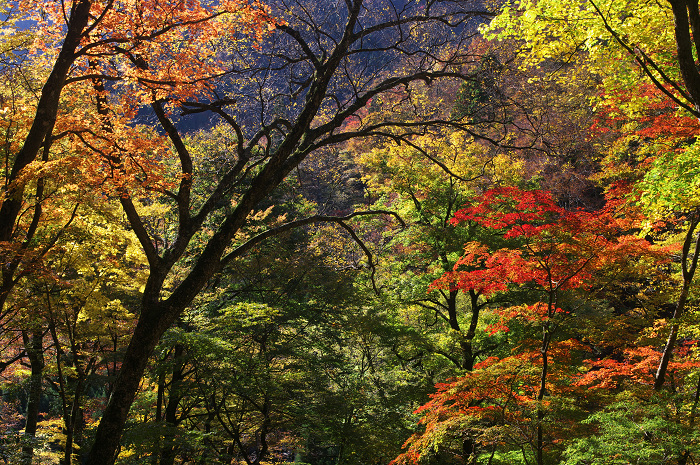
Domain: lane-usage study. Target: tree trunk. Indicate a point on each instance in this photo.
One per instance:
(154, 321)
(544, 350)
(468, 344)
(686, 17)
(35, 352)
(169, 450)
(688, 275)
(74, 422)
(465, 341)
(44, 119)
(158, 417)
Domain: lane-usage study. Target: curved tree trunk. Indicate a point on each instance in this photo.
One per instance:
(42, 125)
(153, 323)
(688, 275)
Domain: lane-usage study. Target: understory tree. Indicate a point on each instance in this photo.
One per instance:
(517, 406)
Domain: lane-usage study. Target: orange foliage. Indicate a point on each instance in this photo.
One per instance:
(638, 365)
(559, 249)
(131, 54)
(499, 392)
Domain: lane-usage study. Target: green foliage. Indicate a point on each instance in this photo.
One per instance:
(634, 430)
(477, 98)
(672, 182)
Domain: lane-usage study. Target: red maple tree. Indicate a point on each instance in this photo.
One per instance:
(553, 252)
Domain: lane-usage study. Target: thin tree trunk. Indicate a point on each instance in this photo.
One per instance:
(169, 450)
(544, 350)
(75, 423)
(42, 125)
(45, 116)
(35, 353)
(468, 344)
(159, 417)
(688, 275)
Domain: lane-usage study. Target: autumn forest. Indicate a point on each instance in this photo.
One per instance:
(349, 232)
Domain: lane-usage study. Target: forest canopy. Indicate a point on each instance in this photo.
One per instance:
(376, 232)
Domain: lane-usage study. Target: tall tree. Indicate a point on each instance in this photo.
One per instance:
(293, 94)
(556, 252)
(51, 135)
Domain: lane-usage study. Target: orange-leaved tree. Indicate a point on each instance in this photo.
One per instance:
(59, 159)
(562, 257)
(619, 42)
(77, 45)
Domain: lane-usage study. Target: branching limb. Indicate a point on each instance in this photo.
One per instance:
(647, 64)
(340, 220)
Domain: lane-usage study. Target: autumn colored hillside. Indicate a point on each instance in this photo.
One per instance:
(352, 232)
